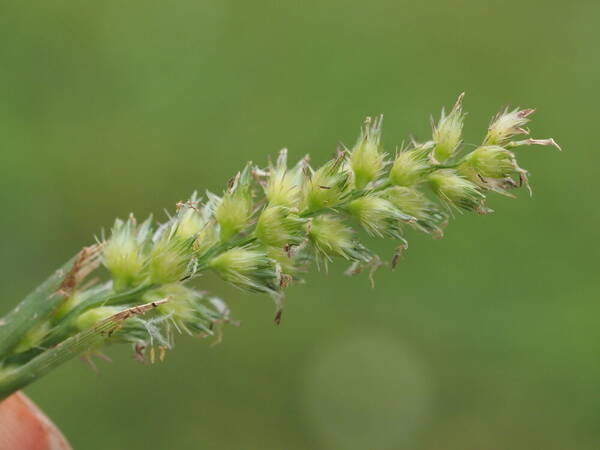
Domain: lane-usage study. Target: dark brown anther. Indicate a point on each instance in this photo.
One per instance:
(395, 259)
(138, 352)
(231, 182)
(278, 315)
(397, 255)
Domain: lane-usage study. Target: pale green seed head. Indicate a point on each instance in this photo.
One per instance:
(233, 214)
(327, 187)
(283, 185)
(124, 253)
(188, 310)
(367, 160)
(330, 237)
(488, 161)
(247, 268)
(179, 300)
(409, 200)
(237, 260)
(282, 189)
(179, 297)
(409, 168)
(456, 190)
(506, 125)
(414, 203)
(378, 216)
(197, 224)
(169, 259)
(206, 238)
(447, 133)
(189, 223)
(279, 226)
(284, 258)
(234, 210)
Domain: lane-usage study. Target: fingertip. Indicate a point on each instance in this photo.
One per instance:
(23, 426)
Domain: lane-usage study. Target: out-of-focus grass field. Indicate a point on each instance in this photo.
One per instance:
(487, 339)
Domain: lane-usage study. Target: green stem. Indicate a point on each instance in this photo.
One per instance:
(33, 309)
(13, 378)
(65, 327)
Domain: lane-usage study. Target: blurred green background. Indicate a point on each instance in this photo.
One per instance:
(488, 338)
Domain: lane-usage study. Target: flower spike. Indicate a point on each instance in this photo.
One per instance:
(260, 236)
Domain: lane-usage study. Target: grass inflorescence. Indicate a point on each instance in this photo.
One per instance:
(260, 234)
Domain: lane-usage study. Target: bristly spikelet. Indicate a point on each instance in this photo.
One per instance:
(379, 217)
(408, 200)
(455, 190)
(233, 215)
(187, 309)
(330, 237)
(411, 166)
(247, 268)
(283, 185)
(170, 258)
(327, 187)
(206, 238)
(430, 218)
(189, 220)
(367, 160)
(447, 133)
(279, 226)
(196, 223)
(235, 209)
(506, 125)
(491, 167)
(290, 260)
(179, 305)
(125, 252)
(488, 161)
